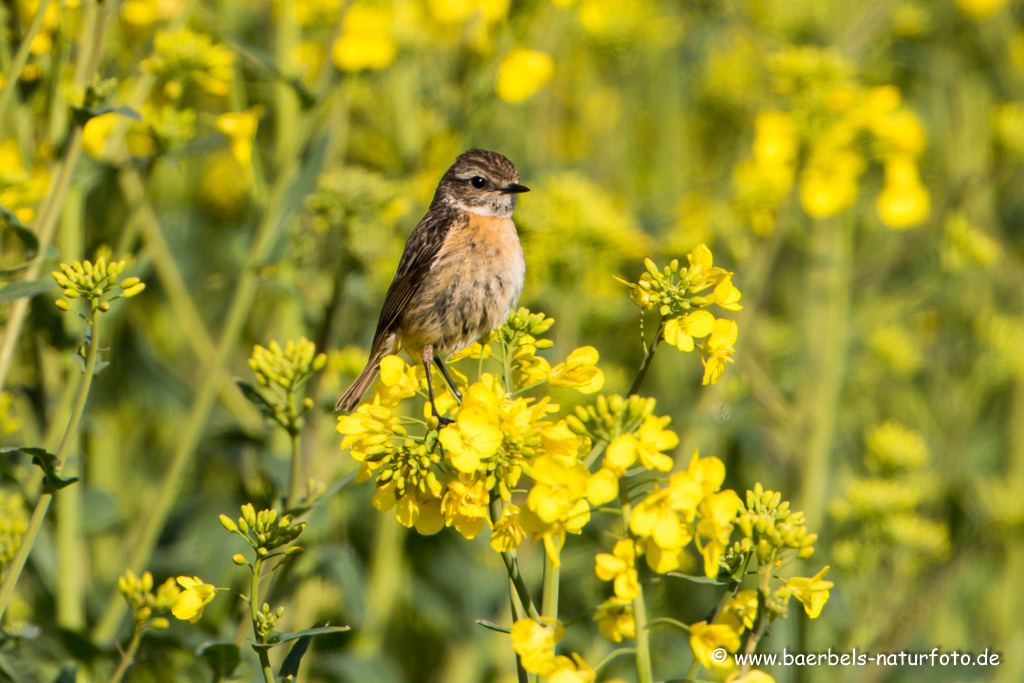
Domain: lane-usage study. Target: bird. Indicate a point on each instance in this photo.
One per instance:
(460, 275)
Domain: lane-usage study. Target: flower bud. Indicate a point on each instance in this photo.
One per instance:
(238, 559)
(134, 289)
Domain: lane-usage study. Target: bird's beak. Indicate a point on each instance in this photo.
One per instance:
(514, 188)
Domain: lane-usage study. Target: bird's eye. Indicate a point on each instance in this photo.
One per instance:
(477, 182)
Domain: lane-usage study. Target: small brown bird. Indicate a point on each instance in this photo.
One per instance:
(460, 275)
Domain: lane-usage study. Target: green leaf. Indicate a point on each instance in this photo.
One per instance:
(83, 114)
(223, 659)
(256, 398)
(52, 482)
(290, 665)
(280, 638)
(491, 625)
(713, 580)
(17, 290)
(27, 237)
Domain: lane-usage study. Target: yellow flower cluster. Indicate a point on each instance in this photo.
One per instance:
(681, 306)
(183, 58)
(147, 607)
(20, 188)
(13, 522)
(96, 283)
(286, 367)
(535, 645)
(826, 120)
(451, 474)
(522, 73)
(366, 41)
(881, 510)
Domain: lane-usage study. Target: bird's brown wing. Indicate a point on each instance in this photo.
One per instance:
(420, 251)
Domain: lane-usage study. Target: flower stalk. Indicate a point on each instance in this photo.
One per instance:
(43, 504)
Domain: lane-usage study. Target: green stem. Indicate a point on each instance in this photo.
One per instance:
(648, 357)
(512, 567)
(39, 514)
(198, 337)
(668, 622)
(92, 40)
(254, 608)
(295, 476)
(644, 670)
(202, 406)
(549, 598)
(296, 473)
(21, 57)
(128, 657)
(619, 652)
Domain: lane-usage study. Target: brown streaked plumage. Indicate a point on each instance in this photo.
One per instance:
(460, 274)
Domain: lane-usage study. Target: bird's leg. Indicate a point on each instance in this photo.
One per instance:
(428, 358)
(448, 378)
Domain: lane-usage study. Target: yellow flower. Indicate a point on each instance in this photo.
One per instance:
(522, 73)
(655, 516)
(663, 560)
(193, 599)
(508, 532)
(620, 567)
(741, 611)
(650, 440)
(240, 129)
(726, 295)
(558, 441)
(812, 592)
(715, 526)
(473, 436)
(573, 670)
(365, 42)
(775, 141)
(718, 348)
(679, 332)
(367, 429)
(615, 619)
(464, 505)
(980, 9)
(553, 533)
(709, 473)
(828, 184)
(903, 201)
(144, 13)
(399, 381)
(420, 510)
(705, 639)
(558, 489)
(95, 133)
(579, 371)
(535, 644)
(603, 486)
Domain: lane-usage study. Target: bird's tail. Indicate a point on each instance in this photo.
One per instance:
(351, 398)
